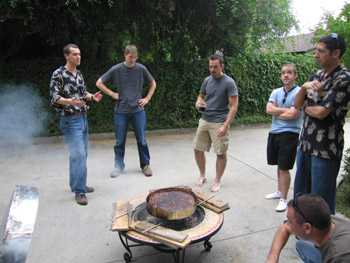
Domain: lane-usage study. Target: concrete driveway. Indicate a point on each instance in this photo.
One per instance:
(67, 232)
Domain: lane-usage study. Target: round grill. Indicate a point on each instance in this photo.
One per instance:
(189, 222)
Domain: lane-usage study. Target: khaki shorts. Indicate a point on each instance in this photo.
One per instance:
(206, 135)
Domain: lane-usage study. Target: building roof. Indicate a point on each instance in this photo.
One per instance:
(299, 44)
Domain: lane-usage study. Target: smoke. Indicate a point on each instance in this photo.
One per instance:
(22, 114)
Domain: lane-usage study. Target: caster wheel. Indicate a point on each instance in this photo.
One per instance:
(207, 245)
(127, 257)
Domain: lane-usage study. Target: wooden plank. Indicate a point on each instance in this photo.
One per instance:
(163, 235)
(215, 209)
(161, 231)
(121, 223)
(216, 204)
(215, 201)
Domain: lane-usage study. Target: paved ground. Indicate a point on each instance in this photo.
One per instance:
(67, 232)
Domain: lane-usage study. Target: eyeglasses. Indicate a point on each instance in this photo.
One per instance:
(296, 207)
(335, 35)
(285, 97)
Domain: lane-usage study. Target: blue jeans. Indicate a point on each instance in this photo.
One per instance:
(317, 176)
(75, 131)
(308, 252)
(121, 125)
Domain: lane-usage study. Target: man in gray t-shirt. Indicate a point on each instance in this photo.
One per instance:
(128, 77)
(219, 97)
(321, 237)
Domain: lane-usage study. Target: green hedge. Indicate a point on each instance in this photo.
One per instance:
(172, 105)
(343, 193)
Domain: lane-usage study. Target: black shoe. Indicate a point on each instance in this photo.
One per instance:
(81, 199)
(89, 189)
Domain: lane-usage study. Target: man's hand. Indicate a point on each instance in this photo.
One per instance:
(313, 85)
(222, 131)
(78, 104)
(279, 241)
(200, 103)
(97, 96)
(115, 95)
(143, 102)
(103, 87)
(290, 114)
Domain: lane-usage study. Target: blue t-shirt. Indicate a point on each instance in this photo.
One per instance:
(218, 91)
(278, 125)
(129, 83)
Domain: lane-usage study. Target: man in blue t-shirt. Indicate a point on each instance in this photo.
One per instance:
(284, 132)
(129, 77)
(219, 95)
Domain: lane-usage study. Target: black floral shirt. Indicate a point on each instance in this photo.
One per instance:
(64, 84)
(325, 138)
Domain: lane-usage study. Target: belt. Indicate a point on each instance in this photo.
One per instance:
(79, 112)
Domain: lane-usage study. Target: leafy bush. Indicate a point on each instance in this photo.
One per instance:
(343, 195)
(178, 84)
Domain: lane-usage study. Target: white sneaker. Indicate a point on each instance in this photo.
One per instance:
(275, 195)
(282, 206)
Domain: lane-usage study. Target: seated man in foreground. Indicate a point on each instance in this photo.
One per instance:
(323, 238)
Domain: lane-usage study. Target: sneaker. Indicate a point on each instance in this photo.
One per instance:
(275, 195)
(115, 173)
(89, 189)
(147, 170)
(282, 206)
(81, 199)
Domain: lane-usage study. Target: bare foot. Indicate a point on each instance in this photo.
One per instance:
(216, 187)
(201, 181)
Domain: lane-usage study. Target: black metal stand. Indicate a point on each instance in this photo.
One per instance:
(178, 256)
(127, 256)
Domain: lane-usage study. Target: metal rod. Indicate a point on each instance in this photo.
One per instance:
(129, 211)
(148, 229)
(210, 197)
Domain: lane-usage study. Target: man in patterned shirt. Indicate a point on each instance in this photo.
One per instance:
(321, 142)
(68, 96)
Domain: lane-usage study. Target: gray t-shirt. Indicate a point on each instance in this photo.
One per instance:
(218, 91)
(129, 83)
(337, 247)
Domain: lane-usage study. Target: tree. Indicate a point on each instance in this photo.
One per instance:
(188, 29)
(165, 30)
(42, 28)
(339, 25)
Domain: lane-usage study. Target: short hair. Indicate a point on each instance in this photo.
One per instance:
(315, 210)
(217, 56)
(130, 49)
(66, 49)
(290, 65)
(334, 41)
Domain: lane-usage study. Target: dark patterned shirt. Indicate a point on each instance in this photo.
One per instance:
(64, 84)
(325, 138)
